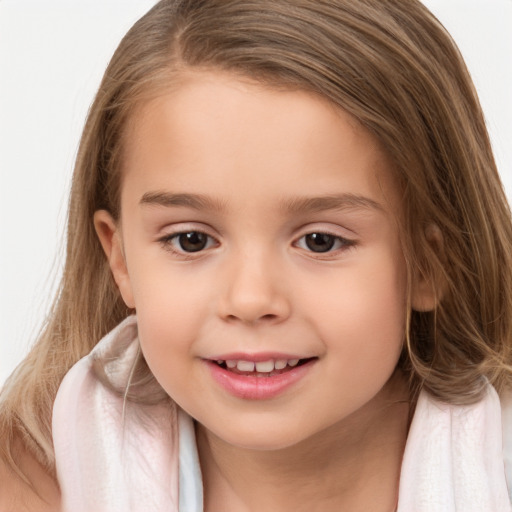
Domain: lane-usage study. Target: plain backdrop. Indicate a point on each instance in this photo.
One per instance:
(52, 56)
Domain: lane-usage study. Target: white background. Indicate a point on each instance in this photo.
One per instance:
(52, 56)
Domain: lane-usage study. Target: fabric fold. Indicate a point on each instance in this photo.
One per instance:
(113, 456)
(453, 459)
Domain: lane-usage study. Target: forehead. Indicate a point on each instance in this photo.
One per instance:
(214, 132)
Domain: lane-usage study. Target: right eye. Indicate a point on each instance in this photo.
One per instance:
(188, 242)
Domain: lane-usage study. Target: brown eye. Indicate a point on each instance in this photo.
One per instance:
(193, 241)
(320, 242)
(182, 243)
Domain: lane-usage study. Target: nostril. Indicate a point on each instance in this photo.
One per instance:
(246, 319)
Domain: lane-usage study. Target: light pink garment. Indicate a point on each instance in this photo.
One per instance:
(453, 460)
(105, 463)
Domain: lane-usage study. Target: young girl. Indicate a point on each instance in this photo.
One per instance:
(288, 282)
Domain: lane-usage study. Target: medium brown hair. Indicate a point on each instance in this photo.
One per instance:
(392, 66)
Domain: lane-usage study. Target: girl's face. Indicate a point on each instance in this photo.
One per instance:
(258, 228)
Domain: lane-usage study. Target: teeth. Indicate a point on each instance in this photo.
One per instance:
(261, 366)
(245, 366)
(265, 366)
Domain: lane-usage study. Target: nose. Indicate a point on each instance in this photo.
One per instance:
(254, 292)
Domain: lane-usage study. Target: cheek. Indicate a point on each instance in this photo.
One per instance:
(364, 338)
(169, 302)
(364, 314)
(168, 321)
(170, 316)
(172, 307)
(166, 348)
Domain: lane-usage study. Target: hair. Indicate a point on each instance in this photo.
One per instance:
(393, 67)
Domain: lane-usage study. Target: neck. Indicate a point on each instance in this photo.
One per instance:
(353, 465)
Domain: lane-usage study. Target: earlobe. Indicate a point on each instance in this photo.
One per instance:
(110, 238)
(424, 296)
(428, 288)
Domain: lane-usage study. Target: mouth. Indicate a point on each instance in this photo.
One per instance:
(262, 379)
(263, 369)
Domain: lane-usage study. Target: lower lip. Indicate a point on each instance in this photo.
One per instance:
(258, 388)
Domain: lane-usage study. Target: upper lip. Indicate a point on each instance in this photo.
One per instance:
(256, 357)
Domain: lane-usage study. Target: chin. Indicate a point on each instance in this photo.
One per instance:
(265, 438)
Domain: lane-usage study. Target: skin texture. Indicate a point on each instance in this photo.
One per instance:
(259, 159)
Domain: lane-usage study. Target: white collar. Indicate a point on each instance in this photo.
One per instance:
(190, 480)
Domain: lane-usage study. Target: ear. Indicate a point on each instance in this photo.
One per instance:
(110, 238)
(428, 289)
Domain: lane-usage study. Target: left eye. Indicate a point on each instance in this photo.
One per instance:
(322, 242)
(191, 241)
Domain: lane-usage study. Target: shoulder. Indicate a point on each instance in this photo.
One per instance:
(41, 495)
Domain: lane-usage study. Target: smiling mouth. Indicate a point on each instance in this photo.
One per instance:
(263, 369)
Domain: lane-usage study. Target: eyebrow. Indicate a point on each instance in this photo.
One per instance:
(194, 201)
(332, 202)
(297, 205)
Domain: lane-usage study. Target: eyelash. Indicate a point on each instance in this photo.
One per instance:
(339, 243)
(168, 242)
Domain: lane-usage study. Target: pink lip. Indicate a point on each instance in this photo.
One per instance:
(257, 388)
